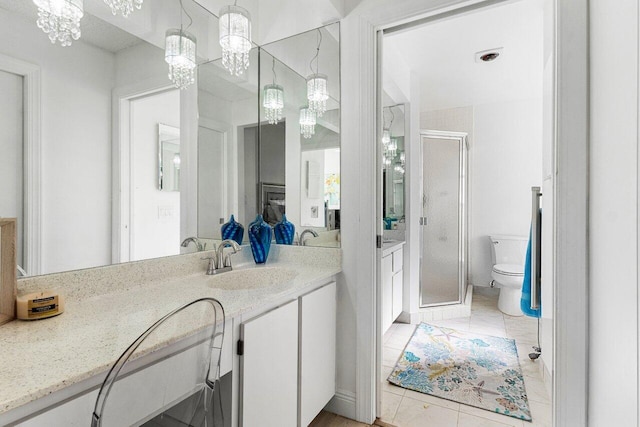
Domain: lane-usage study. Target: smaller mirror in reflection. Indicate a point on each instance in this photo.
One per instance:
(393, 162)
(169, 158)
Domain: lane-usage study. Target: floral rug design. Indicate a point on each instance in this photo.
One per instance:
(472, 369)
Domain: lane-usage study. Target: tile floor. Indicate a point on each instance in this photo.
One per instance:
(406, 408)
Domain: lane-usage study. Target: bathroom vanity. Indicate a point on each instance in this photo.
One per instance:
(392, 282)
(279, 345)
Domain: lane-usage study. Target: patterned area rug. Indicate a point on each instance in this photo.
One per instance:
(472, 369)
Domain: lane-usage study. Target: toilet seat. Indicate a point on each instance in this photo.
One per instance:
(509, 269)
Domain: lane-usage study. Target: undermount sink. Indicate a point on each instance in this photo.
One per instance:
(252, 278)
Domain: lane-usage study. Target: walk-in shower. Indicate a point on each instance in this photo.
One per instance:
(443, 246)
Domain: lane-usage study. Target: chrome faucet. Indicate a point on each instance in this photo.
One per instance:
(199, 246)
(308, 230)
(219, 263)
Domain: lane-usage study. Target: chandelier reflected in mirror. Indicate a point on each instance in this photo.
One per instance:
(60, 19)
(235, 38)
(317, 85)
(307, 122)
(180, 54)
(123, 7)
(273, 99)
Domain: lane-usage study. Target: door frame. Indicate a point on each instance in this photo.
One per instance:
(571, 129)
(121, 167)
(32, 162)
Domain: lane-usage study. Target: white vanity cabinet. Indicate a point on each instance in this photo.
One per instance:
(269, 368)
(288, 361)
(392, 284)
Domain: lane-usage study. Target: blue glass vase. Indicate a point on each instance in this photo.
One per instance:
(232, 230)
(260, 239)
(284, 231)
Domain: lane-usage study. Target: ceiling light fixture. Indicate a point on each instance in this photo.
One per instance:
(317, 85)
(273, 99)
(60, 19)
(180, 54)
(123, 7)
(235, 38)
(307, 122)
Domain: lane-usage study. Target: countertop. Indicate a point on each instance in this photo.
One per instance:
(43, 356)
(389, 246)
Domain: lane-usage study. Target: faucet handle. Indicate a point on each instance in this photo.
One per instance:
(211, 268)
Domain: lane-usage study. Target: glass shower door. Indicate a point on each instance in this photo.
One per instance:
(442, 269)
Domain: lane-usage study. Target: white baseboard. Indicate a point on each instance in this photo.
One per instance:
(343, 404)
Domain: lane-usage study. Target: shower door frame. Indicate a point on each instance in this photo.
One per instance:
(463, 197)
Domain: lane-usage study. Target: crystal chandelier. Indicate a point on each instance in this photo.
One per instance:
(124, 7)
(317, 93)
(180, 54)
(307, 122)
(386, 137)
(273, 99)
(235, 38)
(317, 85)
(393, 146)
(60, 19)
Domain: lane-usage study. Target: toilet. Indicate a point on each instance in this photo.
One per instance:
(508, 255)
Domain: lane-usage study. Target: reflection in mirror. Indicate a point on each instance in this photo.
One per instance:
(72, 220)
(169, 158)
(394, 166)
(227, 146)
(312, 159)
(260, 168)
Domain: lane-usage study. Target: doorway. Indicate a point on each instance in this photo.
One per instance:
(494, 101)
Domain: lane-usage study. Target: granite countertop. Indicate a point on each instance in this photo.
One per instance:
(43, 356)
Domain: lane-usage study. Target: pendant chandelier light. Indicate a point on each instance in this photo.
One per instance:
(386, 131)
(235, 38)
(307, 122)
(273, 99)
(386, 137)
(317, 85)
(60, 19)
(180, 54)
(123, 7)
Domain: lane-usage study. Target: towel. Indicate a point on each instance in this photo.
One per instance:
(525, 300)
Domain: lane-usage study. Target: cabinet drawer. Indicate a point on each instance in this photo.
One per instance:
(397, 261)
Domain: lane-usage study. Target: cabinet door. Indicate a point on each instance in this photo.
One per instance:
(397, 294)
(269, 369)
(387, 292)
(317, 351)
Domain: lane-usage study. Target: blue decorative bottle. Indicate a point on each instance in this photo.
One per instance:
(284, 231)
(232, 230)
(260, 239)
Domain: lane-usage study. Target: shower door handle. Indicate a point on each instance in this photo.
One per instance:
(536, 246)
(423, 220)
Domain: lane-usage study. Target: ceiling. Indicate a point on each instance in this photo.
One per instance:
(442, 56)
(95, 31)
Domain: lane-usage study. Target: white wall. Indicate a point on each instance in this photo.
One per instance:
(613, 214)
(506, 163)
(11, 149)
(76, 107)
(155, 214)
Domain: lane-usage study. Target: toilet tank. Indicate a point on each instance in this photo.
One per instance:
(508, 249)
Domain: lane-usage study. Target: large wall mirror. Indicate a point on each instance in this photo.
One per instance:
(393, 196)
(83, 148)
(268, 163)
